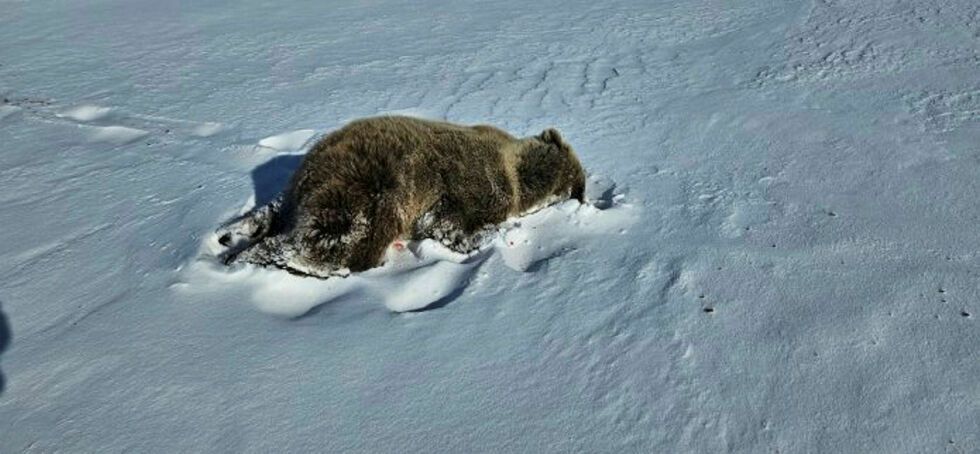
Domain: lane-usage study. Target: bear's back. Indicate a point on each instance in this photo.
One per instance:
(417, 162)
(371, 153)
(407, 135)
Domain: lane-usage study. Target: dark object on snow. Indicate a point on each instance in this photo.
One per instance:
(383, 179)
(4, 341)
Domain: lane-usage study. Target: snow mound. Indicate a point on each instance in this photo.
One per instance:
(207, 129)
(422, 274)
(745, 215)
(6, 111)
(117, 135)
(288, 141)
(85, 113)
(557, 230)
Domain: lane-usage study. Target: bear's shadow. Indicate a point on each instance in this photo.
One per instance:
(272, 177)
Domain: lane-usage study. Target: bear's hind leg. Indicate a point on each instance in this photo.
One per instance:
(448, 230)
(367, 249)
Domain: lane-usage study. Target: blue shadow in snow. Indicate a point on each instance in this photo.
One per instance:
(272, 177)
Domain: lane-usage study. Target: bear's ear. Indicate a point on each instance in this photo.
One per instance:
(551, 135)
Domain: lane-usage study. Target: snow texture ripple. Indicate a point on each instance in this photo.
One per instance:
(793, 267)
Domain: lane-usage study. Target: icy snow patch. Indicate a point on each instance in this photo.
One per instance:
(419, 274)
(85, 113)
(288, 141)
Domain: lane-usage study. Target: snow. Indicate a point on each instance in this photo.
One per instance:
(288, 141)
(207, 129)
(418, 275)
(6, 111)
(779, 254)
(117, 135)
(85, 113)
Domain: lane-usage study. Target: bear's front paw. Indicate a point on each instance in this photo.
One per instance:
(232, 238)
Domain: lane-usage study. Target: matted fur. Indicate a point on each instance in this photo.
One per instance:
(381, 179)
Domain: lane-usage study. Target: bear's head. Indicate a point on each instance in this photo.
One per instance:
(548, 168)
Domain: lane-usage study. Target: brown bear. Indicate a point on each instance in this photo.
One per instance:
(378, 180)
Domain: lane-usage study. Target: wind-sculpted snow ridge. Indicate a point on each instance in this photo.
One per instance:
(424, 274)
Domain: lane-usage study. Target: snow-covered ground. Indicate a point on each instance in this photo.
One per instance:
(792, 266)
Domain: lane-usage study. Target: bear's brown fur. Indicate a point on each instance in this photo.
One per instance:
(381, 179)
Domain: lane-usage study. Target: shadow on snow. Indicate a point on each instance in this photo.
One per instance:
(272, 177)
(5, 336)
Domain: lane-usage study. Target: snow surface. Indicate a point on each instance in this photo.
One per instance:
(798, 271)
(288, 141)
(425, 274)
(85, 113)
